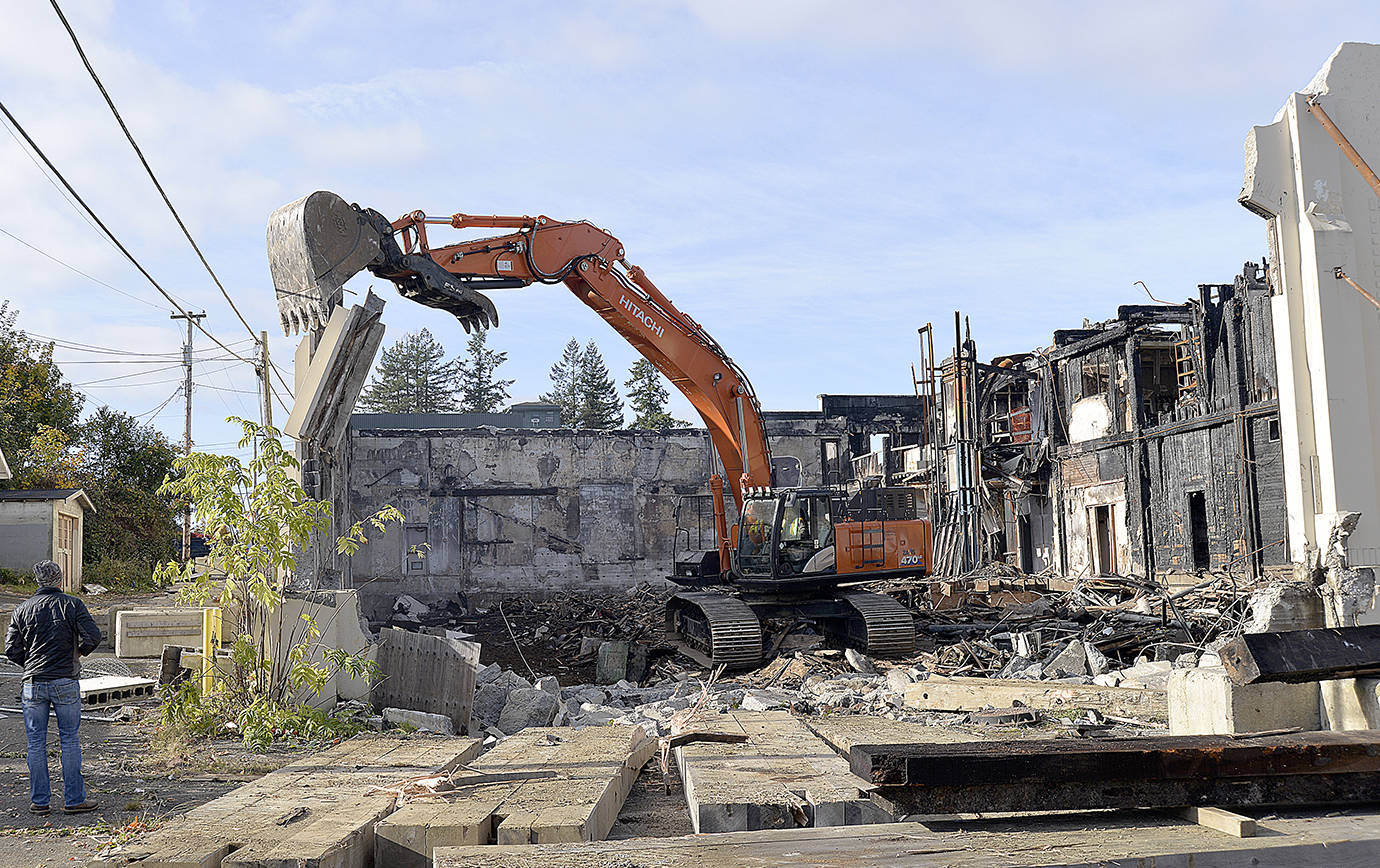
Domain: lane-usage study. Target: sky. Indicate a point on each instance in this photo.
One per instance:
(811, 181)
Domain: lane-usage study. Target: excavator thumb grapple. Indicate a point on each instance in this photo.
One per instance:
(320, 241)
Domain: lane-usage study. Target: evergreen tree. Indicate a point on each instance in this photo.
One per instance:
(563, 392)
(413, 377)
(648, 397)
(600, 405)
(480, 391)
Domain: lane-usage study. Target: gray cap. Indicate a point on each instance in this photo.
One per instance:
(48, 574)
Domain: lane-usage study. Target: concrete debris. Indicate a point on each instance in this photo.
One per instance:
(421, 720)
(859, 661)
(527, 706)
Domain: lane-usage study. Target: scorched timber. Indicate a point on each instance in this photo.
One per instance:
(1298, 768)
(1303, 655)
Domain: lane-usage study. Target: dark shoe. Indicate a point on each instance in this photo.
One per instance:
(41, 810)
(85, 806)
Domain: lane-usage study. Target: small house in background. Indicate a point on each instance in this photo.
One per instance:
(44, 524)
(4, 467)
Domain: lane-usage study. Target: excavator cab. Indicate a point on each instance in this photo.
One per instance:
(785, 535)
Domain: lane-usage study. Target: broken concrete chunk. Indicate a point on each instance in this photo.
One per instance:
(1071, 661)
(764, 700)
(422, 720)
(1097, 661)
(550, 684)
(897, 679)
(1187, 660)
(527, 706)
(612, 664)
(408, 608)
(1107, 679)
(488, 673)
(859, 661)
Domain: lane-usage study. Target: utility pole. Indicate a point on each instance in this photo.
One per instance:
(191, 318)
(265, 385)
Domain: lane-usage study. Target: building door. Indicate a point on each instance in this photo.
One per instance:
(1025, 547)
(66, 544)
(1198, 527)
(1103, 541)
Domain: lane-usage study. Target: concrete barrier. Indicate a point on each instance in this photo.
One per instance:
(1205, 702)
(144, 632)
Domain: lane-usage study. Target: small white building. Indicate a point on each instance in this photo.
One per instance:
(41, 525)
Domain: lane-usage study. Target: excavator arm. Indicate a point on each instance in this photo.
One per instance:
(320, 241)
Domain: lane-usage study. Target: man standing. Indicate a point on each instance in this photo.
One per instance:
(48, 633)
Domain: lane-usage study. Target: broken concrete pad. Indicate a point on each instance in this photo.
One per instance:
(783, 776)
(526, 707)
(422, 720)
(765, 700)
(317, 810)
(1153, 674)
(1205, 702)
(580, 780)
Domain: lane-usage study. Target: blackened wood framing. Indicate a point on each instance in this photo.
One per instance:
(1303, 655)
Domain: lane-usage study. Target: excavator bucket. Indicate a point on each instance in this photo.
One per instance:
(315, 245)
(320, 241)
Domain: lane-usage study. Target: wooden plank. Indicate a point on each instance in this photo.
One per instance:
(782, 776)
(333, 796)
(1223, 821)
(1303, 655)
(938, 693)
(542, 785)
(1107, 841)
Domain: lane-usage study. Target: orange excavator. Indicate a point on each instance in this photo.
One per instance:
(792, 552)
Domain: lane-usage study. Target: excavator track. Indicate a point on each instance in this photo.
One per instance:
(715, 628)
(881, 626)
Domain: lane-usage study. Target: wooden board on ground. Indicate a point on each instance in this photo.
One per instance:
(1162, 771)
(938, 693)
(318, 810)
(1303, 655)
(579, 780)
(1127, 840)
(783, 776)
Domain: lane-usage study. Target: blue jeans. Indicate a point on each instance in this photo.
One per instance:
(64, 696)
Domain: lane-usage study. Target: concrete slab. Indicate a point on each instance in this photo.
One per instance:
(1081, 840)
(1351, 703)
(114, 689)
(144, 632)
(1206, 702)
(783, 776)
(594, 769)
(318, 810)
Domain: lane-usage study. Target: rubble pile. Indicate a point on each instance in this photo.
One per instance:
(1092, 628)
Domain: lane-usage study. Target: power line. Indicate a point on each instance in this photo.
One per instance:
(109, 234)
(126, 377)
(74, 268)
(76, 43)
(77, 346)
(147, 168)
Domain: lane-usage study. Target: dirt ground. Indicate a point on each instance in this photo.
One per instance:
(133, 787)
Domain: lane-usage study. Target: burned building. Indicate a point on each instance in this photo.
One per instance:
(513, 504)
(1147, 445)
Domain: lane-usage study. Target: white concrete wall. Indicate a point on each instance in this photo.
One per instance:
(1322, 215)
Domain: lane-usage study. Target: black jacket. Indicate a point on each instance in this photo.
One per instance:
(48, 632)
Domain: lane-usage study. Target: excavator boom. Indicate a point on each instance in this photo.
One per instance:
(318, 242)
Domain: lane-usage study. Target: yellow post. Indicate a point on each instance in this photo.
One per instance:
(210, 641)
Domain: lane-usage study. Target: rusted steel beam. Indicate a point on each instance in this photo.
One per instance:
(1303, 655)
(1353, 156)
